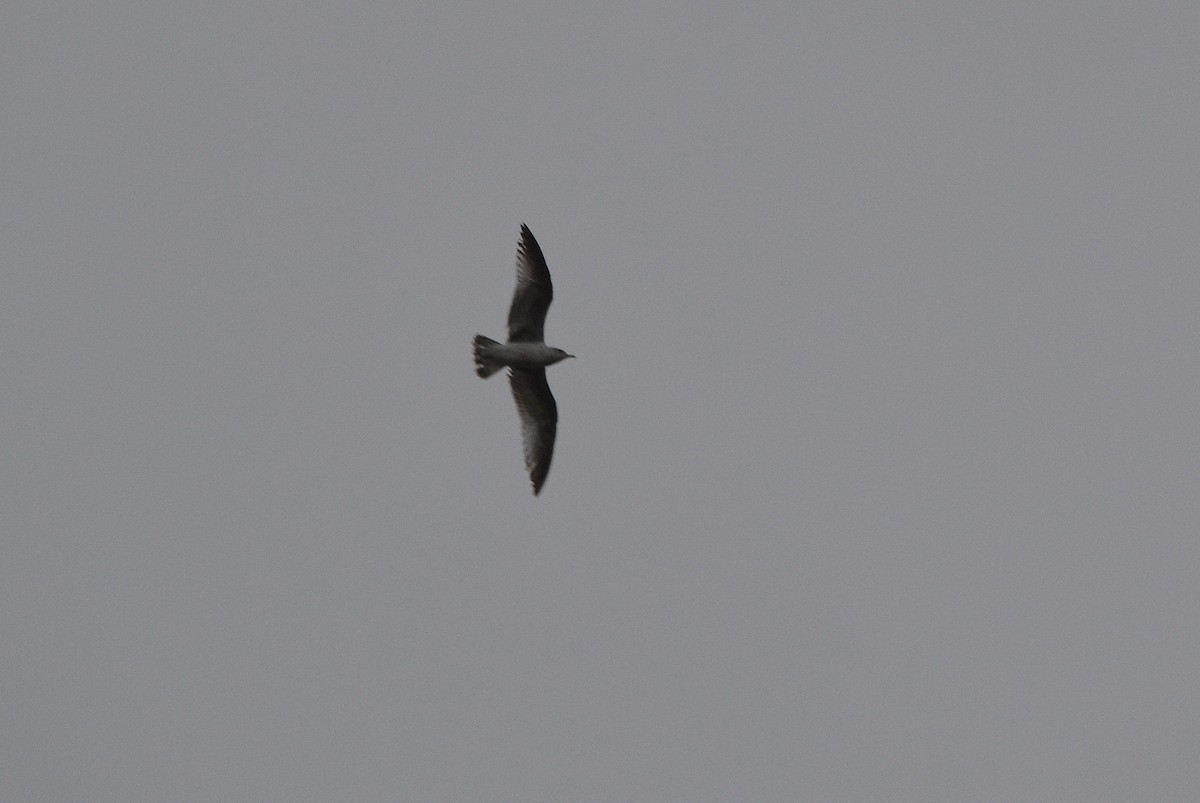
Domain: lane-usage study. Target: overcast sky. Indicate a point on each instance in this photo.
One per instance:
(878, 471)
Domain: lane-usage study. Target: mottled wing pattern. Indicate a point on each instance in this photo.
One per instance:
(531, 299)
(539, 420)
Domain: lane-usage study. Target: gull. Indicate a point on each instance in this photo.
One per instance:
(526, 356)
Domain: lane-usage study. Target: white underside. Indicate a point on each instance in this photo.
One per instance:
(521, 355)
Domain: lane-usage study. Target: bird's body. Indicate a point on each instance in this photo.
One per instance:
(514, 355)
(526, 356)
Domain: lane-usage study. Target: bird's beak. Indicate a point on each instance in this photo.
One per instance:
(572, 356)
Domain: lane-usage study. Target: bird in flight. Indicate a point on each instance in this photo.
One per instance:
(526, 356)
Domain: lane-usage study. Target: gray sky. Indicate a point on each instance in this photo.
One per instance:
(877, 475)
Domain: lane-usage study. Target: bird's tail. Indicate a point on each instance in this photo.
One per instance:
(484, 365)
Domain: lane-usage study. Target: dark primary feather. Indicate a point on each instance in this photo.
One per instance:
(539, 420)
(531, 299)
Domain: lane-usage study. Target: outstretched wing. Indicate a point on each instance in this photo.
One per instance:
(539, 420)
(531, 299)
